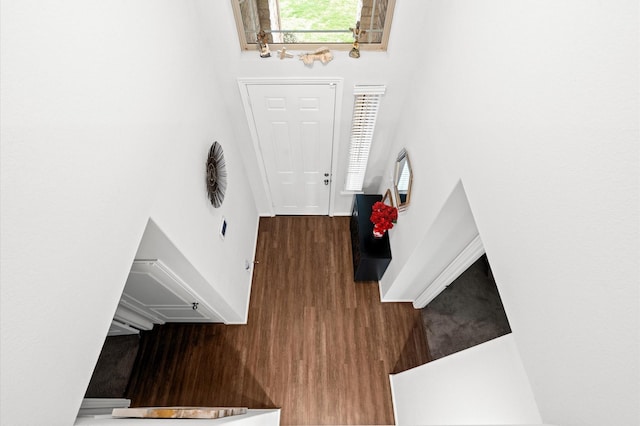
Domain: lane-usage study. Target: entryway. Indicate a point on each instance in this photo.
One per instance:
(293, 129)
(316, 343)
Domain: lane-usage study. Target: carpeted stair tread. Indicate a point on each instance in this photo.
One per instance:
(466, 313)
(114, 366)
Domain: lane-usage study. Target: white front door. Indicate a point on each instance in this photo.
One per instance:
(294, 127)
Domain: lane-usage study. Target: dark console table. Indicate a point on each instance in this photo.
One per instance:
(371, 256)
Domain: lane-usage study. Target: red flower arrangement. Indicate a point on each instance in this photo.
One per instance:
(383, 217)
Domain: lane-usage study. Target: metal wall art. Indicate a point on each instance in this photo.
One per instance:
(216, 175)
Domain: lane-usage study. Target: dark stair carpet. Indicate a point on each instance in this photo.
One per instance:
(113, 369)
(466, 313)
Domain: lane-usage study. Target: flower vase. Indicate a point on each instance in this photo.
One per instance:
(378, 234)
(383, 218)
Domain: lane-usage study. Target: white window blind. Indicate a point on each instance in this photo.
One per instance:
(365, 112)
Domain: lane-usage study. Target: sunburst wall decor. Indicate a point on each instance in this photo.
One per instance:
(216, 175)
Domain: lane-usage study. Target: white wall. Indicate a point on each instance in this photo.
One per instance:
(183, 210)
(534, 105)
(452, 230)
(156, 245)
(391, 68)
(108, 110)
(483, 385)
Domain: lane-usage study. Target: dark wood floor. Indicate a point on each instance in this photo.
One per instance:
(317, 345)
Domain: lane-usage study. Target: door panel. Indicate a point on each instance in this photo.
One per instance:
(154, 292)
(294, 125)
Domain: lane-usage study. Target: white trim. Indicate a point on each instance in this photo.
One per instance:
(461, 263)
(245, 320)
(337, 113)
(395, 300)
(118, 328)
(382, 298)
(393, 400)
(337, 82)
(244, 94)
(369, 89)
(126, 315)
(101, 406)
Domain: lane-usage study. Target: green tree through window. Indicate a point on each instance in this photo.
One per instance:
(319, 15)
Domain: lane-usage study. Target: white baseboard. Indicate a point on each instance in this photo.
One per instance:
(461, 263)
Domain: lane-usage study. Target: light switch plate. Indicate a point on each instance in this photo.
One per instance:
(223, 228)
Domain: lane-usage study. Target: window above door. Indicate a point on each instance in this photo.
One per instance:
(305, 24)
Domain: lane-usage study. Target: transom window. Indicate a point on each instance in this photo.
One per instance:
(306, 23)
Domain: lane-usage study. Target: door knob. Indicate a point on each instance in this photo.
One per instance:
(194, 306)
(326, 181)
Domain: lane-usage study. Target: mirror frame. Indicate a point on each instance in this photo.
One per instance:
(388, 199)
(403, 155)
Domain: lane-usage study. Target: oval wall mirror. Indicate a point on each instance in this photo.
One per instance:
(402, 180)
